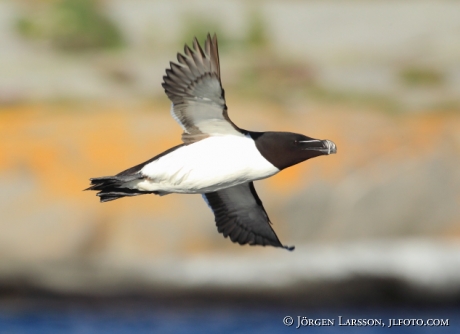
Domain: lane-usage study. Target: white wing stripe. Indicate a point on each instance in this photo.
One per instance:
(176, 118)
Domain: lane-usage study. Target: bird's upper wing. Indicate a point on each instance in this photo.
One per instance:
(239, 213)
(195, 90)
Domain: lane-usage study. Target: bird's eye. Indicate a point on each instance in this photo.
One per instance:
(296, 141)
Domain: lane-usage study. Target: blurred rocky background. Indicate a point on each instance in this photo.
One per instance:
(81, 96)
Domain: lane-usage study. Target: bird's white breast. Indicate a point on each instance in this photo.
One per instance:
(208, 165)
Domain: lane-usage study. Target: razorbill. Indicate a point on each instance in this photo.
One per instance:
(217, 159)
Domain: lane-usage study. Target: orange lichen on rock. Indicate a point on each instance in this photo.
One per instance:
(48, 153)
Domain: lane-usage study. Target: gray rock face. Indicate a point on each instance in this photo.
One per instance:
(391, 197)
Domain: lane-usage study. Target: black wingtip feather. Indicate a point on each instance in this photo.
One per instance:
(198, 49)
(104, 199)
(289, 248)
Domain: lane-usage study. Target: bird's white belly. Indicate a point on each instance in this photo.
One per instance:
(208, 165)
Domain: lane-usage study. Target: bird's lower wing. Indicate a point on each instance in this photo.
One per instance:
(240, 215)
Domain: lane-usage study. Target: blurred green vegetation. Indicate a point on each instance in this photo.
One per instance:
(271, 78)
(421, 76)
(268, 76)
(255, 38)
(281, 83)
(199, 27)
(71, 25)
(261, 71)
(354, 98)
(257, 35)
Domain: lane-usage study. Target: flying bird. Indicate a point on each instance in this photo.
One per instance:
(217, 159)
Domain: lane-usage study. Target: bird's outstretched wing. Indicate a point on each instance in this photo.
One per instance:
(195, 90)
(239, 214)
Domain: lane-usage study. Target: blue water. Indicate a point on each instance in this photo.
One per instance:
(213, 319)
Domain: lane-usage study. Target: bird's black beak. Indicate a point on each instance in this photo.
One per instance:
(324, 146)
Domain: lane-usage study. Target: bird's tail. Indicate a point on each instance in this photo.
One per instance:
(114, 187)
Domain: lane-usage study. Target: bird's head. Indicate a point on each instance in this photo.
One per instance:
(285, 149)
